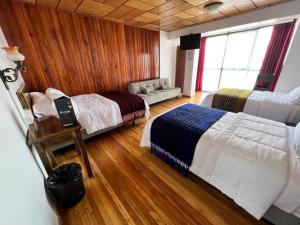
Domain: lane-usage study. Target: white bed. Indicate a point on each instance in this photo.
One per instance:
(93, 111)
(271, 105)
(92, 119)
(250, 159)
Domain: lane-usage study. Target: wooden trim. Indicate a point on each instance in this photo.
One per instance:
(180, 67)
(24, 96)
(77, 54)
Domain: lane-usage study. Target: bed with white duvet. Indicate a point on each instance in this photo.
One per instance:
(254, 161)
(276, 106)
(93, 111)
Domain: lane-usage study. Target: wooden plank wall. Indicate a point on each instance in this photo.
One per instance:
(78, 54)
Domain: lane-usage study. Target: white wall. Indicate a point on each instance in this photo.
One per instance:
(26, 116)
(23, 200)
(22, 196)
(168, 52)
(290, 74)
(168, 57)
(190, 72)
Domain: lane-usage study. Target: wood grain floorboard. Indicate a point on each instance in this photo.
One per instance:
(131, 186)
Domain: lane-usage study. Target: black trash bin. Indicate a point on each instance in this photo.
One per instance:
(65, 185)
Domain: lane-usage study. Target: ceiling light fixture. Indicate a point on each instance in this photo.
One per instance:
(213, 6)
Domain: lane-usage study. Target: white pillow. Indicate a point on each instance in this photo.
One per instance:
(37, 97)
(297, 139)
(53, 93)
(42, 105)
(294, 95)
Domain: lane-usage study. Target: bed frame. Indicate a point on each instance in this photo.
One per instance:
(274, 215)
(278, 217)
(23, 94)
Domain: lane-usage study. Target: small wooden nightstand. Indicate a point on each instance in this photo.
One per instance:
(47, 131)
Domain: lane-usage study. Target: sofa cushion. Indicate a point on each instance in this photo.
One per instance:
(165, 86)
(154, 91)
(164, 83)
(149, 87)
(156, 85)
(152, 98)
(143, 90)
(160, 95)
(134, 88)
(146, 90)
(142, 84)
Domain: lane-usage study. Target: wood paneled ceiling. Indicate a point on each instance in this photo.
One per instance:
(166, 15)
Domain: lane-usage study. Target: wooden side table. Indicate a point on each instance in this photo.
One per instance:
(46, 131)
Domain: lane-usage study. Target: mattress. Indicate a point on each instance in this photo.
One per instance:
(97, 112)
(265, 104)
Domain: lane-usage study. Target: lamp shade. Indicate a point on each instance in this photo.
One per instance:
(13, 54)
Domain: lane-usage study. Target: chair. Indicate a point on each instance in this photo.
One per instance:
(263, 81)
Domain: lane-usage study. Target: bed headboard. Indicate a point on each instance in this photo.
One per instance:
(23, 94)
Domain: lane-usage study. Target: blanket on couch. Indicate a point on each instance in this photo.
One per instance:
(131, 106)
(174, 135)
(229, 99)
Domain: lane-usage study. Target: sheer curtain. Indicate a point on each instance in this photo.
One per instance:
(234, 60)
(214, 54)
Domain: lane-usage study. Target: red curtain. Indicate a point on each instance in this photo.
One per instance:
(277, 49)
(201, 64)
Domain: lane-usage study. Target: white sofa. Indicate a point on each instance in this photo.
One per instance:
(154, 91)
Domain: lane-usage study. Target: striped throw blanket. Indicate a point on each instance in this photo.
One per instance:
(175, 134)
(232, 100)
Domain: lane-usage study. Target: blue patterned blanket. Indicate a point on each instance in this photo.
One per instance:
(174, 135)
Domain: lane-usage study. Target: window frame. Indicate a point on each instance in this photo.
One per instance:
(248, 68)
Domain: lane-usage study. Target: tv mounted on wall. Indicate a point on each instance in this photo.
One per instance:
(189, 42)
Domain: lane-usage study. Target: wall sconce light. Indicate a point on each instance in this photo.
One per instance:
(10, 74)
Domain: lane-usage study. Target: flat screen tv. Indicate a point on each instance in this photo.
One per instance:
(189, 42)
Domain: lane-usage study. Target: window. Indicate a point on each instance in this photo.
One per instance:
(234, 60)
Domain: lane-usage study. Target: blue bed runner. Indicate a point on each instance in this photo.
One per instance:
(175, 134)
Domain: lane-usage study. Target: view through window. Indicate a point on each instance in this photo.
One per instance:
(234, 60)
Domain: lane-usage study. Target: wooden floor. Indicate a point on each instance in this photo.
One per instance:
(131, 186)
